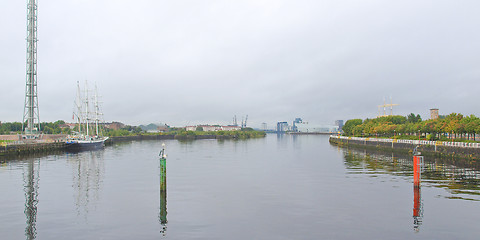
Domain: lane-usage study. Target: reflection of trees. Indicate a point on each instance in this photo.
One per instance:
(459, 177)
(88, 171)
(31, 177)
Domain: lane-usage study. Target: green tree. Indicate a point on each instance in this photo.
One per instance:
(414, 119)
(350, 125)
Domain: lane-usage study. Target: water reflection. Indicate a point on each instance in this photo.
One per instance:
(31, 178)
(460, 178)
(88, 171)
(417, 208)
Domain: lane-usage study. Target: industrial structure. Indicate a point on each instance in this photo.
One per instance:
(31, 114)
(384, 107)
(243, 123)
(282, 127)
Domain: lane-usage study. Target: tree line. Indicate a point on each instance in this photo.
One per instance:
(451, 127)
(59, 127)
(241, 134)
(46, 128)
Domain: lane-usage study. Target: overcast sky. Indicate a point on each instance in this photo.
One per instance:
(190, 62)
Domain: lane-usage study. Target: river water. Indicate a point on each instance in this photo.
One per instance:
(278, 187)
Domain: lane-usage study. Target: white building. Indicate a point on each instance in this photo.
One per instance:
(305, 127)
(214, 128)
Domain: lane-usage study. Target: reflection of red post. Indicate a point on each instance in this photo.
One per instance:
(416, 171)
(416, 201)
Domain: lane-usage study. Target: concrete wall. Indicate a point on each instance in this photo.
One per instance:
(446, 149)
(10, 137)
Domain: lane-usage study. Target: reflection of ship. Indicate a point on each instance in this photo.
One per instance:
(87, 122)
(88, 172)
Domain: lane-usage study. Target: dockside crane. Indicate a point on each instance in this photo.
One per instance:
(244, 123)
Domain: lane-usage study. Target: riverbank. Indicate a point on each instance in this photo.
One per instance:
(434, 148)
(47, 143)
(112, 140)
(26, 148)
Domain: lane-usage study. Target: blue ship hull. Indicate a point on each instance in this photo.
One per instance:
(85, 145)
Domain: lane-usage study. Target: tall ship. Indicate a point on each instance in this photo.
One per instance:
(88, 133)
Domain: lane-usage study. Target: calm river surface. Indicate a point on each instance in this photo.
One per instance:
(278, 187)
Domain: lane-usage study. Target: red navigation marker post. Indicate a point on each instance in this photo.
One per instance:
(417, 199)
(417, 170)
(417, 167)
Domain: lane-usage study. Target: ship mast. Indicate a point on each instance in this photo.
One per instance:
(96, 109)
(86, 108)
(78, 105)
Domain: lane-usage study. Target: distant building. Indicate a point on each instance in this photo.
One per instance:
(231, 128)
(114, 125)
(190, 128)
(339, 123)
(163, 128)
(434, 113)
(68, 125)
(304, 127)
(297, 120)
(282, 126)
(212, 128)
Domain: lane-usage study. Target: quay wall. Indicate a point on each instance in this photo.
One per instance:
(434, 148)
(52, 143)
(30, 148)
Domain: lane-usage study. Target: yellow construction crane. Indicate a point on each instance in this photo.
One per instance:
(385, 106)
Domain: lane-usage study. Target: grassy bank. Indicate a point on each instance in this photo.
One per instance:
(178, 133)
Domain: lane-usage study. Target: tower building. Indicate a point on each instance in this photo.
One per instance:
(434, 113)
(30, 114)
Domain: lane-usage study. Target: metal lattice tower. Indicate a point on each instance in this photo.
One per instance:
(31, 115)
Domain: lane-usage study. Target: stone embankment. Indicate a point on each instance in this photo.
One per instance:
(22, 148)
(14, 145)
(437, 148)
